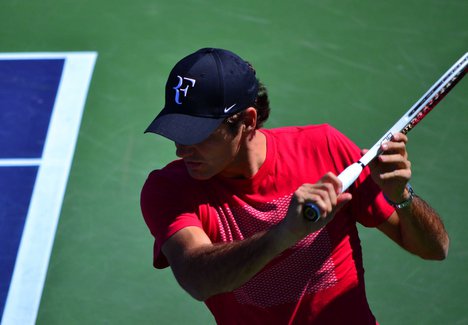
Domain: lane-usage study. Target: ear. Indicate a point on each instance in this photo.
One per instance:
(250, 119)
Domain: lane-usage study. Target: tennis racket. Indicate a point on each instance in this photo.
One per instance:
(405, 124)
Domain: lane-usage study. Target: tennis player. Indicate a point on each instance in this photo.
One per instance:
(227, 216)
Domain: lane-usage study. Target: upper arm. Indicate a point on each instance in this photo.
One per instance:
(179, 250)
(182, 243)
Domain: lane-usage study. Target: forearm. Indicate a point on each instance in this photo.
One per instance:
(211, 269)
(422, 231)
(205, 269)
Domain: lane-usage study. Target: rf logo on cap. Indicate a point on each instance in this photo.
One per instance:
(184, 91)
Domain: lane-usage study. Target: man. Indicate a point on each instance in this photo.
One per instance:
(228, 216)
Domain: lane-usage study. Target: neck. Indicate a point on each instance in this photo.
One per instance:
(250, 157)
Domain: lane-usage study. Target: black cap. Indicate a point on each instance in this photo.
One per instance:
(202, 90)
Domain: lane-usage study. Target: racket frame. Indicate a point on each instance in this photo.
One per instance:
(405, 124)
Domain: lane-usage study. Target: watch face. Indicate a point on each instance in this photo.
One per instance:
(408, 200)
(404, 203)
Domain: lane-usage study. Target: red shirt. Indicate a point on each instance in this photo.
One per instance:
(318, 280)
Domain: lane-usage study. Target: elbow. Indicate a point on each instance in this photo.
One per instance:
(190, 282)
(438, 253)
(197, 291)
(199, 285)
(203, 290)
(435, 256)
(444, 249)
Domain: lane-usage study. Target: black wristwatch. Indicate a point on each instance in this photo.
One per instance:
(406, 202)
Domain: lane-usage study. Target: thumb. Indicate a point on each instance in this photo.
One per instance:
(342, 199)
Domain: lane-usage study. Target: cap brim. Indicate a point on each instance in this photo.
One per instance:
(184, 129)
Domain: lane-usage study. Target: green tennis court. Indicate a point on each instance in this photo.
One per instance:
(357, 65)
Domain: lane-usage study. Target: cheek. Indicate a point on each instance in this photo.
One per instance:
(230, 150)
(219, 152)
(222, 158)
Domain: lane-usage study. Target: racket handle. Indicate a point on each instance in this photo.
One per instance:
(311, 211)
(350, 174)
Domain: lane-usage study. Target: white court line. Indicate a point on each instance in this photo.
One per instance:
(30, 271)
(20, 162)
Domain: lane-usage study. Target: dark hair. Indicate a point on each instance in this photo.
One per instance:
(261, 105)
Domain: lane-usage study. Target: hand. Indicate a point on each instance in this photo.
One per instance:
(325, 194)
(392, 170)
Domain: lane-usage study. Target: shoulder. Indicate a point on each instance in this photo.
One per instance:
(167, 193)
(318, 131)
(173, 169)
(315, 135)
(170, 181)
(297, 130)
(321, 142)
(175, 172)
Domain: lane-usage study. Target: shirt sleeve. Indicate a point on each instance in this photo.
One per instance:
(368, 205)
(165, 210)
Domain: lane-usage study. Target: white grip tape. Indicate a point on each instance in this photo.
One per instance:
(349, 175)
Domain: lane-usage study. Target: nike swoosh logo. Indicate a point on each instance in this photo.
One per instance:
(227, 109)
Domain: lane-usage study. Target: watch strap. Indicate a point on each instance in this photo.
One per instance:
(406, 202)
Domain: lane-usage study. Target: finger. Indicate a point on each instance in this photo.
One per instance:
(322, 194)
(399, 137)
(403, 174)
(395, 172)
(328, 192)
(394, 161)
(332, 179)
(342, 200)
(322, 199)
(323, 207)
(393, 148)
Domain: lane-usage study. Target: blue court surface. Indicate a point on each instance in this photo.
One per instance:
(41, 102)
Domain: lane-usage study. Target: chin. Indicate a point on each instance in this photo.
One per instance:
(199, 176)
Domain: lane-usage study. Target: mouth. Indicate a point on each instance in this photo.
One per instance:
(192, 164)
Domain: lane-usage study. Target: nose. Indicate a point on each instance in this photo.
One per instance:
(183, 151)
